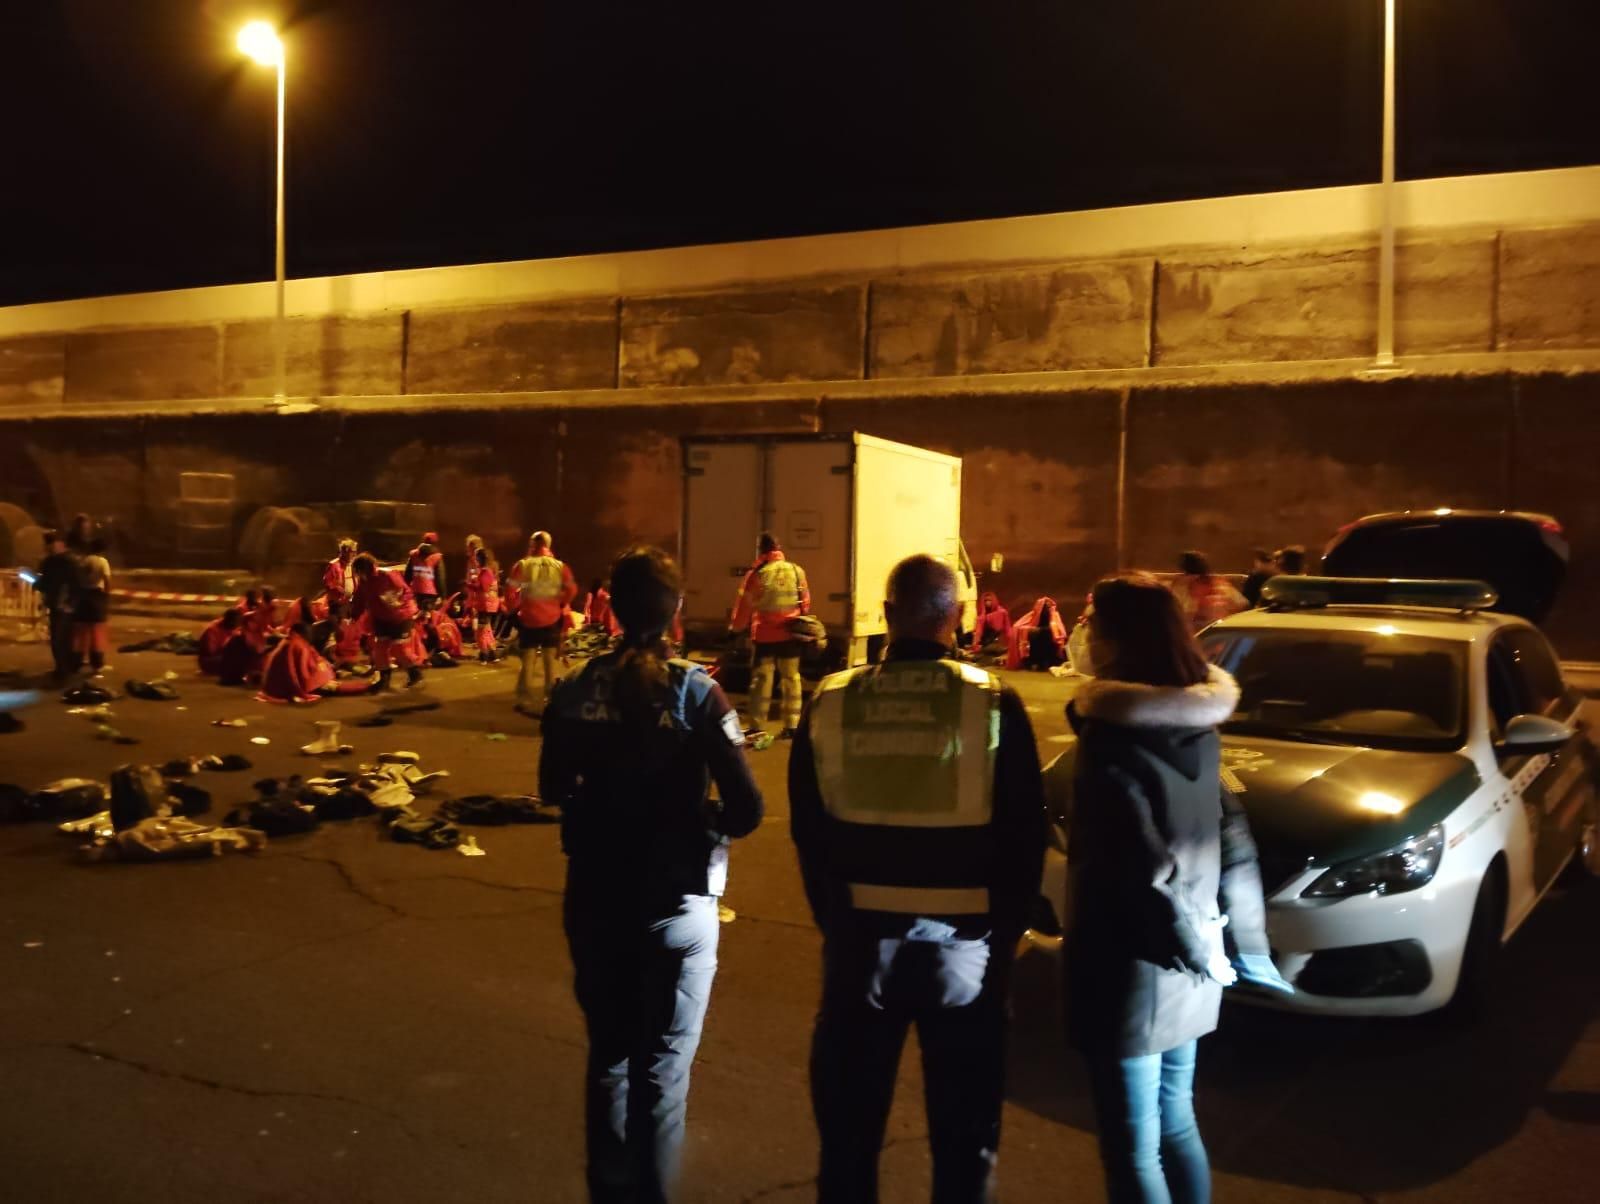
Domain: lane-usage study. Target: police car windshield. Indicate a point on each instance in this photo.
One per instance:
(1364, 688)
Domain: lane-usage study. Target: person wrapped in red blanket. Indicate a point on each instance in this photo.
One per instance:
(215, 638)
(1022, 652)
(294, 671)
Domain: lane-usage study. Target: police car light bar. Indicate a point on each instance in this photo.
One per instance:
(1299, 593)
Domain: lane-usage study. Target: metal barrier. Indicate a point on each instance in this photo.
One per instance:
(19, 601)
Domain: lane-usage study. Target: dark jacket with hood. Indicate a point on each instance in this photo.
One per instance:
(1146, 862)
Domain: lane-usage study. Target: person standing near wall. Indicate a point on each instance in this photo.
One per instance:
(384, 597)
(773, 592)
(339, 580)
(1161, 865)
(91, 608)
(544, 587)
(917, 811)
(425, 572)
(632, 742)
(1203, 595)
(57, 585)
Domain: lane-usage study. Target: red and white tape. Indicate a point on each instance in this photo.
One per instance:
(145, 595)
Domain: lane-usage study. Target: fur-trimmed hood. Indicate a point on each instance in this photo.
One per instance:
(1131, 704)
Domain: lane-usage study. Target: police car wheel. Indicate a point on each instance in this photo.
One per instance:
(1481, 958)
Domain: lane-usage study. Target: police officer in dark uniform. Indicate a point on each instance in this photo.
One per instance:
(918, 813)
(632, 742)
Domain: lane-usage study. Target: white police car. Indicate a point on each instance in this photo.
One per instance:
(1416, 773)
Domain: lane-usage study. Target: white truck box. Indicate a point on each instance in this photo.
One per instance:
(846, 508)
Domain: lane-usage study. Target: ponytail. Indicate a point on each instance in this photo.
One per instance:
(646, 588)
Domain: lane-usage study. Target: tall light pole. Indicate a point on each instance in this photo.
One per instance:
(1385, 356)
(261, 42)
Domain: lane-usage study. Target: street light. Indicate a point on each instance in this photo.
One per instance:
(1385, 356)
(260, 41)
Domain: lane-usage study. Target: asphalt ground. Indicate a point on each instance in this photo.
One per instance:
(343, 1018)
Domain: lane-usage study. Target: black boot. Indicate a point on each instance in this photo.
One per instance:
(383, 686)
(413, 676)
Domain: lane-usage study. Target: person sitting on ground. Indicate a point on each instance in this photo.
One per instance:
(240, 660)
(263, 622)
(215, 638)
(1203, 596)
(294, 672)
(1045, 651)
(1263, 567)
(1044, 615)
(993, 630)
(597, 609)
(443, 634)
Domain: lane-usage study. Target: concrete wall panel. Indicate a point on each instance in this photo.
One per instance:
(1550, 288)
(1051, 318)
(154, 363)
(744, 337)
(1322, 304)
(1224, 470)
(1038, 481)
(512, 348)
(324, 357)
(32, 369)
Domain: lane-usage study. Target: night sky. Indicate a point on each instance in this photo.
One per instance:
(137, 145)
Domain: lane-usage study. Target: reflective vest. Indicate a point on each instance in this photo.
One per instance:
(540, 578)
(910, 745)
(777, 587)
(423, 573)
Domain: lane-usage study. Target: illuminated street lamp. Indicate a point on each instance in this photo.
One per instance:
(1385, 356)
(260, 41)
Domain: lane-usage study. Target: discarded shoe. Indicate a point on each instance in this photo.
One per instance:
(150, 691)
(470, 848)
(229, 723)
(327, 742)
(87, 695)
(442, 660)
(181, 767)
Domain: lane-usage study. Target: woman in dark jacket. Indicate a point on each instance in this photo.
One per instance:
(632, 744)
(1153, 887)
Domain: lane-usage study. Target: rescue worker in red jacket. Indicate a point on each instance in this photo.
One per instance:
(384, 597)
(483, 600)
(425, 572)
(774, 592)
(544, 589)
(338, 580)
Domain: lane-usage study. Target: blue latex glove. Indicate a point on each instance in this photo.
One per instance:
(1257, 970)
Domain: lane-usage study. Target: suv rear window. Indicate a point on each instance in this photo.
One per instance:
(1345, 687)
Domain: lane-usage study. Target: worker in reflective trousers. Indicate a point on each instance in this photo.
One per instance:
(632, 742)
(544, 588)
(774, 592)
(917, 811)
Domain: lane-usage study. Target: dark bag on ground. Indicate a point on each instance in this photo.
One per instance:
(137, 792)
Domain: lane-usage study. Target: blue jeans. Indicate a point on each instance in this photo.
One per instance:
(873, 990)
(1149, 1140)
(643, 979)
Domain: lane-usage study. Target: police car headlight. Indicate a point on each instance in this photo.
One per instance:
(1404, 867)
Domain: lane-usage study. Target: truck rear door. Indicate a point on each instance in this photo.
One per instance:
(809, 494)
(721, 521)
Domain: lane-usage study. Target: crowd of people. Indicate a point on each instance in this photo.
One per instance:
(917, 812)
